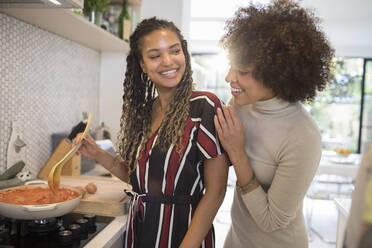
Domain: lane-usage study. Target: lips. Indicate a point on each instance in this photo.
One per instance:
(169, 74)
(236, 91)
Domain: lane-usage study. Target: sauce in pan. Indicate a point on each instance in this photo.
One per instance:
(36, 195)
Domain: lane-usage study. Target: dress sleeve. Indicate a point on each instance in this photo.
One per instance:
(207, 139)
(298, 160)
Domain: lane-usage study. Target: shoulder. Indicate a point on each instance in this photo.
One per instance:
(203, 103)
(302, 126)
(204, 98)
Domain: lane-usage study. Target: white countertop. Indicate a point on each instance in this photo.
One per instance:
(110, 234)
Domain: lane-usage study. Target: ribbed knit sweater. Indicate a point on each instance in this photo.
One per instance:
(283, 145)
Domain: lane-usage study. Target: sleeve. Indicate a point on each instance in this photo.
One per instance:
(298, 160)
(207, 139)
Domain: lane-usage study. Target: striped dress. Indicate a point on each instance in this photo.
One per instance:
(167, 187)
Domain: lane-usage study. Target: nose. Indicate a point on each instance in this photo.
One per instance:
(231, 76)
(166, 59)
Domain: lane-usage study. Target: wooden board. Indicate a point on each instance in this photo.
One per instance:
(109, 200)
(72, 166)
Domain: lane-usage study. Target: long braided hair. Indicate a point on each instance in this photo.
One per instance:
(139, 95)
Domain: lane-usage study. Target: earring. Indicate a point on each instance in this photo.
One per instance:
(144, 77)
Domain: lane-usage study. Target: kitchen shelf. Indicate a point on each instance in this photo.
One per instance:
(67, 24)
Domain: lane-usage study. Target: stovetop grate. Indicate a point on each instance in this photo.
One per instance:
(71, 230)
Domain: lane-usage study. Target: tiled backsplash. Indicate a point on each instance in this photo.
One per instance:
(46, 82)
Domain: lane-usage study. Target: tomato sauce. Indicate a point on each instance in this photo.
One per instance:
(26, 195)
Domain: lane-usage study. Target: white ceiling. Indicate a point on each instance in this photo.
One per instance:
(335, 10)
(347, 23)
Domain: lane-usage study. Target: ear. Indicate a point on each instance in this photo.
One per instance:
(143, 66)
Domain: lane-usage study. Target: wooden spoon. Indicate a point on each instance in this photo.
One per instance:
(54, 176)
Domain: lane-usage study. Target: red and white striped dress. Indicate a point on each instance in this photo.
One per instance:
(168, 187)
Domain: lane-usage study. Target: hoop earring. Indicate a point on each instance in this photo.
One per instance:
(145, 79)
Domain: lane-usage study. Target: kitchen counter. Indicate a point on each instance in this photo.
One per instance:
(111, 236)
(343, 206)
(108, 200)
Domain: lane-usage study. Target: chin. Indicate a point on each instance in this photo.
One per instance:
(238, 102)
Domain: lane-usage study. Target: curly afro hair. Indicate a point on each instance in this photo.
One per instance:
(286, 46)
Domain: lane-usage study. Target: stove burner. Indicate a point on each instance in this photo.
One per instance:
(83, 223)
(65, 238)
(76, 231)
(92, 218)
(42, 227)
(64, 231)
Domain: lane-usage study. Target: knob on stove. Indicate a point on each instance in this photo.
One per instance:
(92, 218)
(65, 238)
(76, 231)
(83, 223)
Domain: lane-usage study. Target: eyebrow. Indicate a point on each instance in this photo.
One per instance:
(171, 47)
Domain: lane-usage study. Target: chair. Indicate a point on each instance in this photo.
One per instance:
(326, 187)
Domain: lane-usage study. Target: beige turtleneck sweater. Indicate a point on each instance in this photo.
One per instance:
(283, 145)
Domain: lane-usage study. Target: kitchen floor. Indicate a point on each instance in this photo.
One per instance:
(324, 221)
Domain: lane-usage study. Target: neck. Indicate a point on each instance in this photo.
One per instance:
(164, 98)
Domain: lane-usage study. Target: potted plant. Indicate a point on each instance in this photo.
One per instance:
(94, 8)
(124, 15)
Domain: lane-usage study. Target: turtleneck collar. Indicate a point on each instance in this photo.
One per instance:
(273, 106)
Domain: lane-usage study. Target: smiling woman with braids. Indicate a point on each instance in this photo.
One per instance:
(168, 146)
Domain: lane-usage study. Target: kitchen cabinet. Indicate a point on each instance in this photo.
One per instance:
(66, 23)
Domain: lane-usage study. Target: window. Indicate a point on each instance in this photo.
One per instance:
(337, 109)
(343, 112)
(366, 106)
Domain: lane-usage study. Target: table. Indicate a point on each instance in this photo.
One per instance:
(334, 165)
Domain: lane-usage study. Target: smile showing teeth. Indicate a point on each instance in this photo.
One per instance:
(235, 90)
(168, 72)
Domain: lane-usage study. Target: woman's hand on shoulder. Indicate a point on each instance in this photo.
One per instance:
(230, 132)
(88, 148)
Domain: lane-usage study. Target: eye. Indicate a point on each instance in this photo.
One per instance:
(155, 56)
(176, 51)
(243, 73)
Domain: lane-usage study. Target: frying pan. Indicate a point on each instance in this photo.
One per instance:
(36, 212)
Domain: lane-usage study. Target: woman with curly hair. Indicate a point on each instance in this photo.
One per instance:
(168, 146)
(279, 58)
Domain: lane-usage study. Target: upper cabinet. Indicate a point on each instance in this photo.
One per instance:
(66, 23)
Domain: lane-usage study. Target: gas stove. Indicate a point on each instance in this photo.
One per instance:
(71, 230)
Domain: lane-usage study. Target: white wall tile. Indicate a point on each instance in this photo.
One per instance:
(46, 82)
